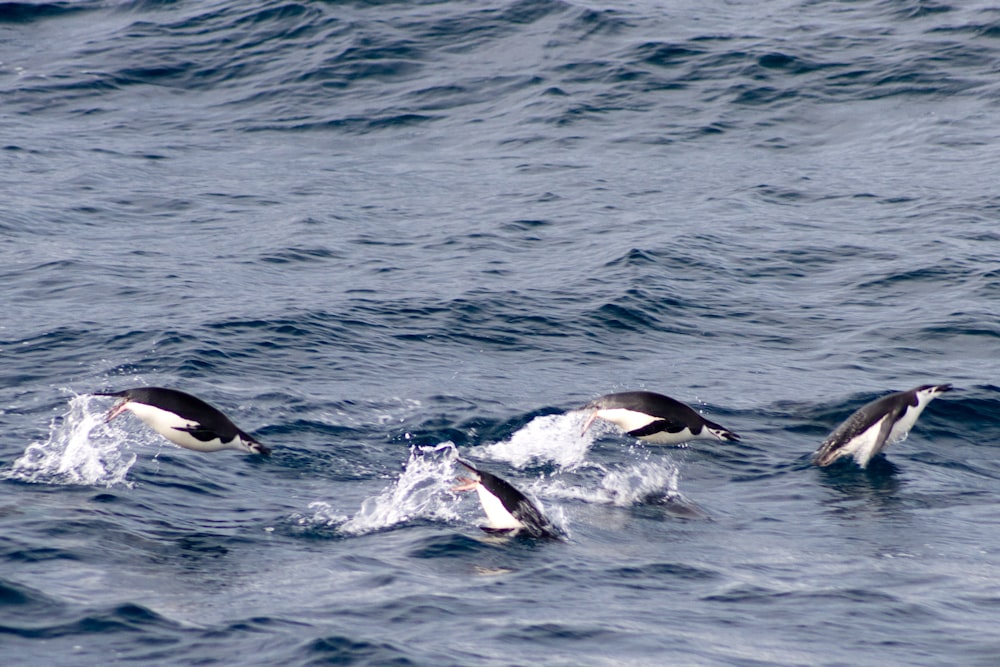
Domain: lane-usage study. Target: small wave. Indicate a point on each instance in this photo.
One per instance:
(548, 438)
(31, 12)
(81, 449)
(124, 617)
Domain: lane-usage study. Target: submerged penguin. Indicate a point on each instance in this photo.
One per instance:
(875, 426)
(654, 418)
(183, 419)
(509, 511)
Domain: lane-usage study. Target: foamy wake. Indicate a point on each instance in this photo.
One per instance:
(557, 439)
(423, 490)
(550, 438)
(81, 449)
(639, 483)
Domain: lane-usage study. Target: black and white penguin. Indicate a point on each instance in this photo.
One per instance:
(508, 510)
(184, 420)
(655, 418)
(875, 426)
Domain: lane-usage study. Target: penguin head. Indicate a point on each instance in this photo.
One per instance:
(256, 447)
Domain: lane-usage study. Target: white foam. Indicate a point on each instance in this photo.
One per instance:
(323, 515)
(623, 487)
(81, 449)
(554, 438)
(423, 491)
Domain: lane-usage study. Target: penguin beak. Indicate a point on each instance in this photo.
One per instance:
(117, 410)
(590, 420)
(466, 484)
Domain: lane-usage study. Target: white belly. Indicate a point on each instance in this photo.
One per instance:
(167, 424)
(497, 514)
(862, 446)
(629, 420)
(665, 438)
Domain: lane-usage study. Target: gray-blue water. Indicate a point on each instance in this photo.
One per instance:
(368, 230)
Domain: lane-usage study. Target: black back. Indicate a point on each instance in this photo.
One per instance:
(647, 402)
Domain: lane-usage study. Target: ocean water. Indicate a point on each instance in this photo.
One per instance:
(377, 234)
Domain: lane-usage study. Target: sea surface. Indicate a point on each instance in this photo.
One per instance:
(378, 235)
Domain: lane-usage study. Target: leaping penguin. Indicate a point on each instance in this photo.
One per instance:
(184, 420)
(655, 418)
(875, 426)
(508, 510)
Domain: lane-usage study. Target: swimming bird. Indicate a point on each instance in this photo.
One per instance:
(508, 510)
(875, 426)
(655, 418)
(183, 419)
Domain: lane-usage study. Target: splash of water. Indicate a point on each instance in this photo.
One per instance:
(80, 449)
(423, 491)
(554, 438)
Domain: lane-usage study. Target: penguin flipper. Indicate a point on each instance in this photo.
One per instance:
(883, 433)
(200, 432)
(658, 426)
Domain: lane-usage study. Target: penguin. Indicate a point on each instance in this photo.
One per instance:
(875, 426)
(184, 420)
(509, 511)
(654, 418)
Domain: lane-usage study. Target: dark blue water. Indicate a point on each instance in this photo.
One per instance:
(375, 232)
